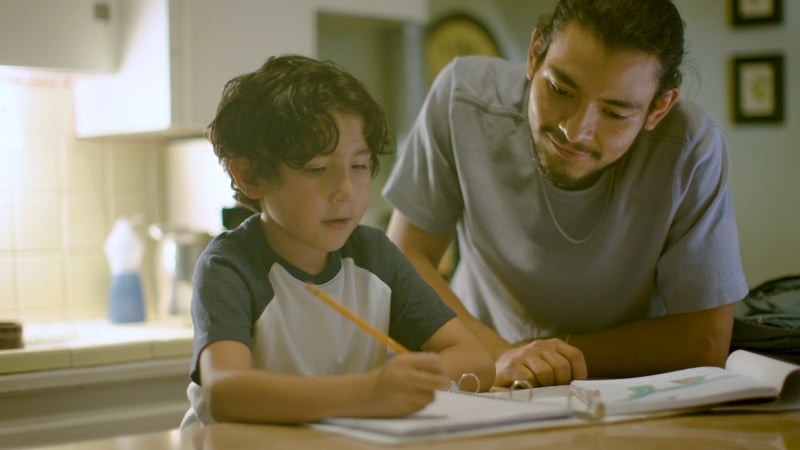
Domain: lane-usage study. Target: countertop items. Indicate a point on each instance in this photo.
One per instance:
(92, 343)
(10, 335)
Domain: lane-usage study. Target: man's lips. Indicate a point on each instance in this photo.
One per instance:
(569, 153)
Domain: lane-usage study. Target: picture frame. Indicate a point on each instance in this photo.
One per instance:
(758, 88)
(756, 12)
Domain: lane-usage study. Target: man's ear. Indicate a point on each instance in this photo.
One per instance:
(241, 169)
(661, 107)
(533, 51)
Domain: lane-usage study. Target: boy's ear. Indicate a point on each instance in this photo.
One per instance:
(241, 169)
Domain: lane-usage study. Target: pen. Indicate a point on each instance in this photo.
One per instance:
(384, 339)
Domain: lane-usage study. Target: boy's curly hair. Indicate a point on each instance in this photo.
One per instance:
(283, 114)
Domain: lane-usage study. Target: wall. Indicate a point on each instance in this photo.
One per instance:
(764, 158)
(59, 198)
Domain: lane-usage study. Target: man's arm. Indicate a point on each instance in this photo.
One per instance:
(424, 250)
(643, 347)
(661, 344)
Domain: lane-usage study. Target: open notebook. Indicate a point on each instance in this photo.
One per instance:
(452, 414)
(749, 382)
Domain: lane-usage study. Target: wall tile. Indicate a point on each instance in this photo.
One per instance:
(40, 281)
(58, 199)
(85, 166)
(86, 225)
(8, 169)
(6, 222)
(46, 109)
(87, 281)
(39, 166)
(38, 221)
(132, 206)
(128, 168)
(8, 304)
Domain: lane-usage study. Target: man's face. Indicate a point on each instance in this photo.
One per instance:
(588, 105)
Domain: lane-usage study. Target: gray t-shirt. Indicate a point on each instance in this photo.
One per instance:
(668, 243)
(244, 291)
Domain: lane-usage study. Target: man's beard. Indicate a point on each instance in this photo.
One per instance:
(563, 179)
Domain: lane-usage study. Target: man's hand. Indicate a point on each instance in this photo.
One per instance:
(542, 362)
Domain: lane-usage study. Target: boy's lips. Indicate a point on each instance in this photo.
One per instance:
(338, 223)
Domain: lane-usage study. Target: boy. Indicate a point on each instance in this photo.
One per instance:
(300, 139)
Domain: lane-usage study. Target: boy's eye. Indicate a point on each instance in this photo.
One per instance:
(314, 169)
(361, 166)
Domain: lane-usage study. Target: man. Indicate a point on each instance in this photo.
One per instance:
(590, 206)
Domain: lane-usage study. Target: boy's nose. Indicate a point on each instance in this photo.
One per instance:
(342, 188)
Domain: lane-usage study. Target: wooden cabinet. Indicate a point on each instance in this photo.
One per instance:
(65, 36)
(176, 56)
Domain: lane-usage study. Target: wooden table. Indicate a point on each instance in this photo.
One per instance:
(700, 431)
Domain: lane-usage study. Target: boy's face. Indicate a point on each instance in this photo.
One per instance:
(311, 211)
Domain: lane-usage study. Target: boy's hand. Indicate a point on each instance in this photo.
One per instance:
(543, 362)
(407, 383)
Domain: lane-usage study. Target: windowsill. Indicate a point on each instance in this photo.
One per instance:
(94, 343)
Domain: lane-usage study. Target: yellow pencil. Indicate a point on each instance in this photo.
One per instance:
(384, 339)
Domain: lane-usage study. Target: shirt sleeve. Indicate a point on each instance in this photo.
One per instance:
(701, 262)
(221, 308)
(424, 184)
(416, 312)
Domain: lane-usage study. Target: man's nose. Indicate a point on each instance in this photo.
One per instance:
(580, 125)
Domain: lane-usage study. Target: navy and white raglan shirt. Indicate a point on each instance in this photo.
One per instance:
(245, 292)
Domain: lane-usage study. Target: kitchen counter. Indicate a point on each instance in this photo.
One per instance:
(93, 343)
(92, 379)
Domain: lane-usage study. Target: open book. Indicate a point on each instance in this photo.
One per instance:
(749, 381)
(452, 414)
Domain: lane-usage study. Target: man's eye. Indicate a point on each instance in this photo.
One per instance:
(616, 116)
(553, 87)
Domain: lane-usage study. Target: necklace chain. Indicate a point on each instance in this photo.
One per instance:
(560, 229)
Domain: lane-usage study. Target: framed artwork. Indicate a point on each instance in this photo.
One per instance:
(456, 35)
(758, 89)
(756, 12)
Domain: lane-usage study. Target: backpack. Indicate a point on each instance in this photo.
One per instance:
(767, 320)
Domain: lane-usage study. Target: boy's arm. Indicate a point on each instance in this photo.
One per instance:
(239, 393)
(462, 353)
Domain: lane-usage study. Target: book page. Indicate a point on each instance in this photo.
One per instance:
(451, 412)
(783, 376)
(682, 389)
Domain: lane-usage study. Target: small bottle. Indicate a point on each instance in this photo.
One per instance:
(124, 250)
